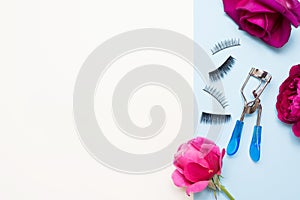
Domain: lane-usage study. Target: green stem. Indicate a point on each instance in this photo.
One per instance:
(226, 192)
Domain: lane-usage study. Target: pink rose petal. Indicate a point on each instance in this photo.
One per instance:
(179, 179)
(196, 187)
(295, 70)
(280, 34)
(296, 129)
(195, 172)
(190, 154)
(255, 7)
(220, 161)
(281, 8)
(253, 25)
(293, 6)
(198, 142)
(230, 9)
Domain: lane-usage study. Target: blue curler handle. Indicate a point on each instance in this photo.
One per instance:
(234, 142)
(255, 144)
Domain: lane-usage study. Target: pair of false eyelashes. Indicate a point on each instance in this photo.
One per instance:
(220, 72)
(210, 118)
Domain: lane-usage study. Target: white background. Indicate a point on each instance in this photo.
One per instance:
(43, 45)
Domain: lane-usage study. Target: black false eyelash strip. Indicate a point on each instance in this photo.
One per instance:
(218, 95)
(225, 44)
(222, 70)
(209, 118)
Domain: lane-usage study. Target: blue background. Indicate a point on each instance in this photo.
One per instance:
(276, 175)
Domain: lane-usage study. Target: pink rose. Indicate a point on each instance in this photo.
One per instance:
(269, 20)
(288, 100)
(197, 162)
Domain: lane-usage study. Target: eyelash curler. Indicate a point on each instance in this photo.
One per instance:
(249, 108)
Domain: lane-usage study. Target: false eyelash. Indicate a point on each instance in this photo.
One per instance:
(225, 44)
(209, 118)
(222, 70)
(218, 95)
